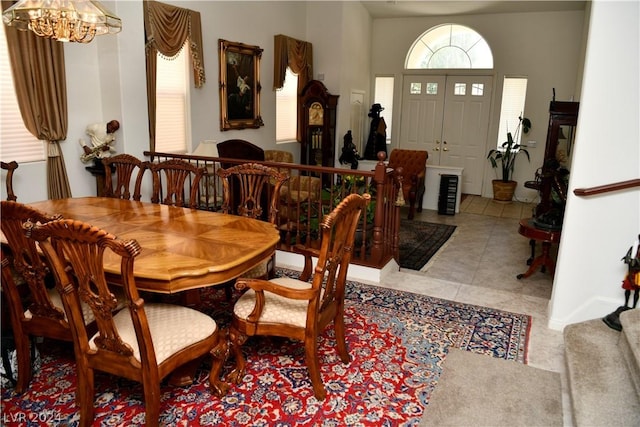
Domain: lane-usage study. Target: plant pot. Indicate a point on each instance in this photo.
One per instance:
(503, 190)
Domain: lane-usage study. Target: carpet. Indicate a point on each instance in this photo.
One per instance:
(397, 341)
(495, 393)
(419, 241)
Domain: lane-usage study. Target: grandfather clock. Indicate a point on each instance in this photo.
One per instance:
(317, 121)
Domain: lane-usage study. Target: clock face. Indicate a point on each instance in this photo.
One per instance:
(316, 114)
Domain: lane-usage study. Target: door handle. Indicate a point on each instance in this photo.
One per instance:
(445, 149)
(436, 149)
(438, 142)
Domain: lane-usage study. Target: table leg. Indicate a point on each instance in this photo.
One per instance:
(532, 243)
(543, 261)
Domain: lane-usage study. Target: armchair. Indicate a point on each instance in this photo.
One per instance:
(298, 190)
(414, 169)
(302, 308)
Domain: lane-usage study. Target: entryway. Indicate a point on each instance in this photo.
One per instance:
(448, 115)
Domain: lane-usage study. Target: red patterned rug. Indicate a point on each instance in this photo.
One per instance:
(397, 341)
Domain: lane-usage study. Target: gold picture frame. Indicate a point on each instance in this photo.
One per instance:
(239, 85)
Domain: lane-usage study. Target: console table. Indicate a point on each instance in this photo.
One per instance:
(547, 237)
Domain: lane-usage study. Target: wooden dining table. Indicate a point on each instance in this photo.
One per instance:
(182, 248)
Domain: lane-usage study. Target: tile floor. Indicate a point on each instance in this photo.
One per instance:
(479, 264)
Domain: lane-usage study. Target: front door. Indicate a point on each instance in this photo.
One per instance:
(449, 117)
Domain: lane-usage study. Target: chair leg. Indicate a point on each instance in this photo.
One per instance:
(23, 353)
(341, 342)
(85, 394)
(412, 205)
(152, 404)
(237, 339)
(313, 365)
(220, 354)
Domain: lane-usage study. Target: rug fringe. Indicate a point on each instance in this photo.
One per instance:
(435, 256)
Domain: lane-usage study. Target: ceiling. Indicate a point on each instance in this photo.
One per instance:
(412, 8)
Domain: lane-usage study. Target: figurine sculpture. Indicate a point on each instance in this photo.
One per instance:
(377, 135)
(631, 283)
(102, 136)
(349, 152)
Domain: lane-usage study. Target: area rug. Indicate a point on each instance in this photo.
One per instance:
(397, 342)
(419, 241)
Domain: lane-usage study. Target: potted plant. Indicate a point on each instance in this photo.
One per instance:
(505, 159)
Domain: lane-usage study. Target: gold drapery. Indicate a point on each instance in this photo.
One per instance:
(297, 55)
(39, 76)
(166, 29)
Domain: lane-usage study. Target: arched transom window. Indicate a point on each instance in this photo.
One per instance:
(450, 46)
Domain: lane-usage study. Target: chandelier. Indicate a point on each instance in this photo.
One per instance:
(63, 20)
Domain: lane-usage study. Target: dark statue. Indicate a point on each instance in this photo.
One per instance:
(349, 152)
(631, 283)
(377, 135)
(552, 171)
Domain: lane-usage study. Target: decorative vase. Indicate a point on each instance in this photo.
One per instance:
(503, 190)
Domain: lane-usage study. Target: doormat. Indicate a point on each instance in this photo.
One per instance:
(420, 241)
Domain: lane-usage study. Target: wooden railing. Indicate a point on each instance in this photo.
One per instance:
(301, 208)
(607, 188)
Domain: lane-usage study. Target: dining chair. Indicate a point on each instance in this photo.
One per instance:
(35, 307)
(144, 342)
(257, 185)
(10, 168)
(124, 167)
(300, 309)
(172, 178)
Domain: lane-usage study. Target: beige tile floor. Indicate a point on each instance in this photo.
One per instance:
(479, 265)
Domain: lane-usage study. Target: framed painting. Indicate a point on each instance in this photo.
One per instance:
(239, 85)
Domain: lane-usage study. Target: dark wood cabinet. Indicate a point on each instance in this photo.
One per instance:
(563, 118)
(317, 125)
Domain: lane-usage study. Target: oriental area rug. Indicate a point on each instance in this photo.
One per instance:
(398, 342)
(420, 240)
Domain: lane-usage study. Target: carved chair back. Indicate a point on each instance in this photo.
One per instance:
(124, 167)
(172, 179)
(35, 309)
(255, 183)
(10, 168)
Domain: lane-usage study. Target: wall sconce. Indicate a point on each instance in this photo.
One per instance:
(63, 20)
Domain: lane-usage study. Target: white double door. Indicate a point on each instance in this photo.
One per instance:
(448, 116)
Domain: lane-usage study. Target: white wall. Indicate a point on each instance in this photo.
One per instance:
(546, 47)
(598, 230)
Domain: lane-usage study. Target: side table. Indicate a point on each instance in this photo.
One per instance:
(547, 237)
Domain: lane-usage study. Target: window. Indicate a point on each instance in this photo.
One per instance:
(16, 142)
(450, 46)
(383, 95)
(287, 108)
(514, 93)
(172, 103)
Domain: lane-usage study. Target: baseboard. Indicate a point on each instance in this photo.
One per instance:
(356, 272)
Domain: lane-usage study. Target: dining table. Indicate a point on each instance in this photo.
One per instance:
(182, 248)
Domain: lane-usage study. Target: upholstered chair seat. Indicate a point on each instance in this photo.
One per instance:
(277, 309)
(166, 325)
